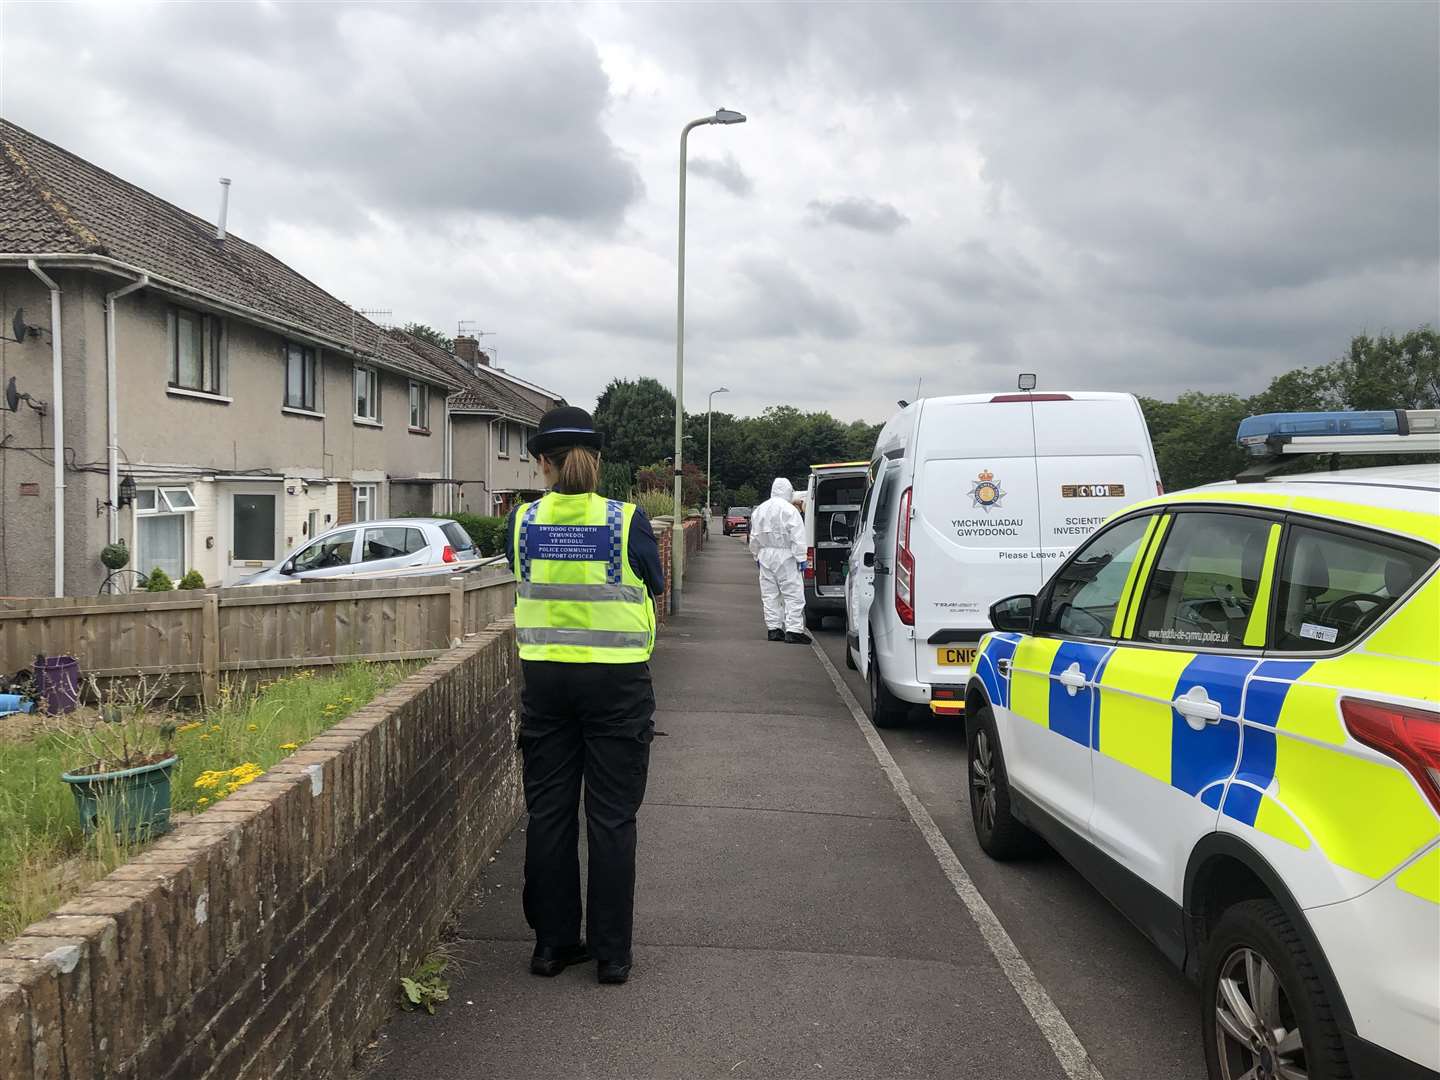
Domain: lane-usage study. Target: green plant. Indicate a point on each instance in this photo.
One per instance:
(654, 503)
(487, 532)
(115, 556)
(426, 986)
(193, 579)
(158, 581)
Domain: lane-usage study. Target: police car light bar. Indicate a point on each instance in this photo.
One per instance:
(1377, 431)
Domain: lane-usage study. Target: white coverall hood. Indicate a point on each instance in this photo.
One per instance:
(777, 540)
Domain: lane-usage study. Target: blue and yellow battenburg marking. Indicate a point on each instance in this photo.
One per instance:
(1364, 815)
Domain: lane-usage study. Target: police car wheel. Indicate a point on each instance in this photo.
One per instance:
(886, 710)
(1000, 835)
(1265, 1014)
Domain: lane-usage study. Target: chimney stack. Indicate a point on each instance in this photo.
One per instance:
(224, 209)
(467, 349)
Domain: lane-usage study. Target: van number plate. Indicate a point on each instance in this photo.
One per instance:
(950, 657)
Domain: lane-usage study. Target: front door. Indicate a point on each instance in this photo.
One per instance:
(252, 533)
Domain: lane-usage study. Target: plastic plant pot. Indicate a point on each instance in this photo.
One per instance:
(136, 802)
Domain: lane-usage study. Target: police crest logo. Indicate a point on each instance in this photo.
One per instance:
(986, 491)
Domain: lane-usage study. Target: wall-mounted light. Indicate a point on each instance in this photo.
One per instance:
(124, 496)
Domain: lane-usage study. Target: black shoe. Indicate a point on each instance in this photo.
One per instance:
(776, 635)
(798, 639)
(550, 960)
(612, 972)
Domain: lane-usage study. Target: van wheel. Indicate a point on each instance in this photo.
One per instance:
(886, 710)
(1000, 835)
(1263, 1009)
(814, 620)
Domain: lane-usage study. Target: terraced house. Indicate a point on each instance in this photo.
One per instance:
(213, 406)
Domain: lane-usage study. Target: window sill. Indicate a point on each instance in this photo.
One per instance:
(199, 395)
(503, 456)
(420, 431)
(365, 421)
(291, 410)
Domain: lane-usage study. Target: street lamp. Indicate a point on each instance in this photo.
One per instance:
(677, 547)
(709, 439)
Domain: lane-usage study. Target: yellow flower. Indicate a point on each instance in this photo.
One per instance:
(253, 727)
(183, 728)
(205, 736)
(289, 746)
(202, 801)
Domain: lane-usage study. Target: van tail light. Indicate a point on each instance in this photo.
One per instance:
(810, 562)
(1031, 397)
(448, 555)
(904, 565)
(1409, 735)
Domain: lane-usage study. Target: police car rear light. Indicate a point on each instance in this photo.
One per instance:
(1030, 397)
(1409, 735)
(904, 565)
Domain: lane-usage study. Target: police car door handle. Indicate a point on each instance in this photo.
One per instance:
(1197, 708)
(1073, 679)
(1004, 665)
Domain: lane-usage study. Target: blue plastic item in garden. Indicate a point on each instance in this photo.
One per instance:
(13, 703)
(135, 801)
(57, 683)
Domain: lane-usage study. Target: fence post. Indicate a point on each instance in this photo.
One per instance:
(457, 609)
(210, 648)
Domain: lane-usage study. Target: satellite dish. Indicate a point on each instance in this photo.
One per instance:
(18, 326)
(12, 395)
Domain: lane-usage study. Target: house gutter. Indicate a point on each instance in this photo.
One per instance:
(57, 421)
(112, 406)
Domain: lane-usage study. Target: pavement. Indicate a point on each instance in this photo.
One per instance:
(795, 916)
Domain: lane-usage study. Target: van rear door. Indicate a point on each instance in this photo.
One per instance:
(976, 528)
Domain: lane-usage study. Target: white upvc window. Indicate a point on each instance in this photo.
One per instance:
(524, 439)
(301, 378)
(503, 439)
(419, 406)
(162, 530)
(367, 393)
(366, 502)
(197, 344)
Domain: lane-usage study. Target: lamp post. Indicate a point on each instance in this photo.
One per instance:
(709, 442)
(677, 545)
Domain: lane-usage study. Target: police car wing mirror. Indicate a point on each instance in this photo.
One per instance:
(1015, 614)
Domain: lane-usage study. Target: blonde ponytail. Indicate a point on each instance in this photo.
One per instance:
(577, 470)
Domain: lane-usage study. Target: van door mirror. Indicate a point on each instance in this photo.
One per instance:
(1014, 613)
(869, 558)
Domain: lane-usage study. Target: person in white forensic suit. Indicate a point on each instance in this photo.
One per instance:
(777, 540)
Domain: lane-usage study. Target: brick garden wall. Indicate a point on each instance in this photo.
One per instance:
(265, 938)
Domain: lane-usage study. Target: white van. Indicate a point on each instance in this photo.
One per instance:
(969, 499)
(832, 507)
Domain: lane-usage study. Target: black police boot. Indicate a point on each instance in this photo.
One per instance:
(613, 972)
(798, 639)
(776, 635)
(550, 960)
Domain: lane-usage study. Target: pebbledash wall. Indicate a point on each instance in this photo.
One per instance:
(265, 938)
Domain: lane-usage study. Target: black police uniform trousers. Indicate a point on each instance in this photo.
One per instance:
(593, 722)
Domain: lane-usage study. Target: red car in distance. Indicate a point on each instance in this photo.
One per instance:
(737, 519)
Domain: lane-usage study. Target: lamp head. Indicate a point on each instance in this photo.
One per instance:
(728, 116)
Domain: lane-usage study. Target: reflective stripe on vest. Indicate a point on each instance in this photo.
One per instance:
(577, 600)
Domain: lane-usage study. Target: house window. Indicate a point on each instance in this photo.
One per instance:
(312, 522)
(195, 346)
(524, 448)
(162, 530)
(367, 393)
(419, 406)
(300, 377)
(504, 443)
(365, 502)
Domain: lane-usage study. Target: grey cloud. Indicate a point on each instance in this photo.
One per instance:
(857, 212)
(726, 172)
(775, 301)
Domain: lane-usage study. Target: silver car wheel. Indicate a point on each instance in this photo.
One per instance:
(982, 780)
(1258, 1035)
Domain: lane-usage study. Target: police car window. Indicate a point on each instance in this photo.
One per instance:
(1205, 581)
(1087, 589)
(1334, 587)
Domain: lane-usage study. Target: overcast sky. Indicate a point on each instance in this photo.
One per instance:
(1145, 197)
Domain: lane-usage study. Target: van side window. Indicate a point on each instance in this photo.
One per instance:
(886, 501)
(1205, 582)
(1334, 587)
(869, 493)
(1087, 589)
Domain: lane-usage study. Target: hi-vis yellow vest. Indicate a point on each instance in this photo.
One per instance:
(577, 600)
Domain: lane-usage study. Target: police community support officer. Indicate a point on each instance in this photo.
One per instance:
(586, 571)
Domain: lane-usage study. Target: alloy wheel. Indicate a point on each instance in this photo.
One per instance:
(982, 780)
(1256, 1028)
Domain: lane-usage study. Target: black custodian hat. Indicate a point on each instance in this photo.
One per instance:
(565, 426)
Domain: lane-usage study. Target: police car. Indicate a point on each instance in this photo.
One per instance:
(1224, 710)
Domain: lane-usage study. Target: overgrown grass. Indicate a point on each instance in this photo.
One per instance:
(44, 859)
(654, 503)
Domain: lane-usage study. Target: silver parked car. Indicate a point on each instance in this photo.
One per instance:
(395, 545)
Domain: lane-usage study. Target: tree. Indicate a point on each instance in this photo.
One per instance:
(1194, 437)
(637, 418)
(430, 334)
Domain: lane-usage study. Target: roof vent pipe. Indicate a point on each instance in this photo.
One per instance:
(224, 208)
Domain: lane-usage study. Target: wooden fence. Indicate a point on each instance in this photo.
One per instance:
(192, 640)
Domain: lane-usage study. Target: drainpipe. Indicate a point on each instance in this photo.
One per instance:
(57, 403)
(447, 464)
(112, 406)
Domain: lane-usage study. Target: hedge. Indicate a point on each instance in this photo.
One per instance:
(487, 532)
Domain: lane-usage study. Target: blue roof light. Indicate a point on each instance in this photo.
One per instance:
(1257, 431)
